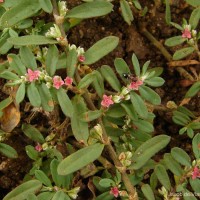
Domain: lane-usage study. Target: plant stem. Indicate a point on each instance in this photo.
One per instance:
(130, 188)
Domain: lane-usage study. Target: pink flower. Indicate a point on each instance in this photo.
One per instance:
(133, 86)
(38, 147)
(68, 81)
(139, 82)
(196, 173)
(33, 75)
(114, 191)
(107, 101)
(1, 1)
(81, 58)
(57, 82)
(186, 33)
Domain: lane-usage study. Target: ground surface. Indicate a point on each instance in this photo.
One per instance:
(132, 40)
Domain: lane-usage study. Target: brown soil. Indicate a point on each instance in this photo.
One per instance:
(132, 40)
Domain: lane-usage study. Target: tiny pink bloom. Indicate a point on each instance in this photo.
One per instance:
(133, 86)
(107, 101)
(68, 81)
(139, 82)
(114, 191)
(1, 1)
(33, 75)
(196, 173)
(186, 33)
(81, 58)
(57, 82)
(38, 147)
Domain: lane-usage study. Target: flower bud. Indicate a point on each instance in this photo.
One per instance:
(117, 98)
(62, 7)
(98, 130)
(74, 192)
(125, 91)
(54, 32)
(127, 97)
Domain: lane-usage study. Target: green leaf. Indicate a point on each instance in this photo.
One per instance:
(8, 151)
(155, 81)
(46, 98)
(181, 156)
(145, 67)
(110, 77)
(121, 67)
(173, 165)
(98, 83)
(33, 95)
(195, 88)
(196, 145)
(61, 181)
(106, 182)
(116, 111)
(71, 62)
(173, 41)
(105, 196)
(79, 128)
(130, 111)
(194, 125)
(90, 9)
(42, 177)
(22, 191)
(16, 64)
(51, 60)
(20, 93)
(190, 132)
(126, 12)
(195, 185)
(64, 102)
(6, 102)
(148, 192)
(144, 126)
(86, 81)
(46, 5)
(61, 196)
(182, 53)
(149, 95)
(31, 197)
(176, 26)
(193, 2)
(26, 23)
(90, 115)
(22, 10)
(149, 149)
(100, 49)
(180, 118)
(33, 133)
(136, 65)
(31, 152)
(194, 18)
(80, 159)
(162, 176)
(139, 105)
(9, 75)
(167, 12)
(46, 196)
(31, 40)
(5, 46)
(28, 58)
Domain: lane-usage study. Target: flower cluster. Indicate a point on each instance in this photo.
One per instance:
(124, 94)
(80, 52)
(125, 158)
(54, 32)
(195, 173)
(189, 34)
(56, 81)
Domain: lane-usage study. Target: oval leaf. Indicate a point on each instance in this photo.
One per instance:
(193, 90)
(110, 77)
(173, 41)
(126, 12)
(90, 9)
(20, 93)
(33, 95)
(149, 149)
(100, 49)
(181, 156)
(147, 191)
(8, 151)
(42, 177)
(64, 102)
(162, 176)
(22, 191)
(182, 53)
(196, 145)
(46, 5)
(80, 159)
(31, 40)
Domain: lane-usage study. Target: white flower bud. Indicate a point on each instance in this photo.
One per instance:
(117, 98)
(62, 7)
(54, 32)
(125, 91)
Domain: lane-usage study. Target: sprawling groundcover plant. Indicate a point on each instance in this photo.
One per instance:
(107, 113)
